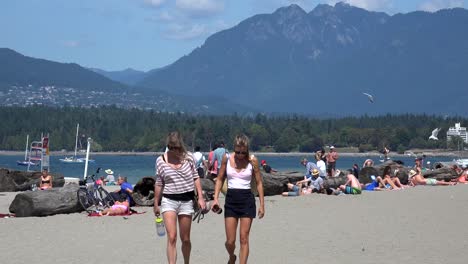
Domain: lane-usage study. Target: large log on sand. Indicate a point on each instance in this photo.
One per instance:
(444, 173)
(48, 202)
(16, 181)
(143, 191)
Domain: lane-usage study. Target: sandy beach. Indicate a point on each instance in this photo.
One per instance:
(417, 225)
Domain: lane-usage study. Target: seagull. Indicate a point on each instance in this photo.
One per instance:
(434, 134)
(371, 98)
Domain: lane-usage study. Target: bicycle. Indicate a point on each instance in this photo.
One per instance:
(93, 197)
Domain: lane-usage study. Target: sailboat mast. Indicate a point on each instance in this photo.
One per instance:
(76, 138)
(26, 151)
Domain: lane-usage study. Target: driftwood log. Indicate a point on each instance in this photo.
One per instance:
(16, 181)
(442, 174)
(48, 202)
(143, 191)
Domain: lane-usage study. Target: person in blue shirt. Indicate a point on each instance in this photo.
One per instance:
(218, 155)
(310, 166)
(125, 188)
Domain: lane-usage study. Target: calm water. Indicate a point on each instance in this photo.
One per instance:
(136, 167)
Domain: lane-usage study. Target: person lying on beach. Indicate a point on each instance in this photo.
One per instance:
(377, 184)
(119, 208)
(293, 190)
(267, 168)
(463, 178)
(418, 179)
(352, 185)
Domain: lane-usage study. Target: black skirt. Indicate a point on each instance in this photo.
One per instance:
(240, 203)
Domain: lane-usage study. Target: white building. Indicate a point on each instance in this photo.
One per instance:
(457, 131)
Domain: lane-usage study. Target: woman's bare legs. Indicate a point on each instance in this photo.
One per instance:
(170, 221)
(397, 182)
(392, 184)
(185, 224)
(230, 224)
(245, 224)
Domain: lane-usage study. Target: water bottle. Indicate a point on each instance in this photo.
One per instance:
(160, 229)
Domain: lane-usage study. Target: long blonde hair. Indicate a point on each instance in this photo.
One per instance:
(174, 139)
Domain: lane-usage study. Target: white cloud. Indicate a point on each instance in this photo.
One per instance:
(187, 30)
(70, 43)
(372, 5)
(164, 17)
(200, 8)
(434, 5)
(154, 3)
(184, 31)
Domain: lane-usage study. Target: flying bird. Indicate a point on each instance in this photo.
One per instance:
(371, 98)
(434, 134)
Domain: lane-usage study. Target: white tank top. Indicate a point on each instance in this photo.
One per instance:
(238, 180)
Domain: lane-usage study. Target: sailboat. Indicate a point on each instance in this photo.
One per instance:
(26, 161)
(75, 159)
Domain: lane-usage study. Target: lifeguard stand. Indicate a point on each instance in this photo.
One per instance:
(39, 153)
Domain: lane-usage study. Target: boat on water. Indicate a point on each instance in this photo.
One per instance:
(75, 158)
(26, 161)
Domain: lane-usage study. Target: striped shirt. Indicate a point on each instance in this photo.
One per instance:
(175, 181)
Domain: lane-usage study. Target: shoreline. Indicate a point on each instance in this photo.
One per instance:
(429, 153)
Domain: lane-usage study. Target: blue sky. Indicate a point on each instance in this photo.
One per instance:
(144, 34)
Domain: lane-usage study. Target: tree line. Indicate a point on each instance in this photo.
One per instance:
(116, 129)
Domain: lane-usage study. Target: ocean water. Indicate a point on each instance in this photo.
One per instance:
(135, 167)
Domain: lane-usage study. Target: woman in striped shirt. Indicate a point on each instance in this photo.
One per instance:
(176, 181)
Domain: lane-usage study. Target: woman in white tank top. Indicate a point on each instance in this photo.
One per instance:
(240, 169)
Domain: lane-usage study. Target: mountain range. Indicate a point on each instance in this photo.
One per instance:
(292, 61)
(30, 81)
(321, 62)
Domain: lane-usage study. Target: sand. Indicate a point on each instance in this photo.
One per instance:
(417, 225)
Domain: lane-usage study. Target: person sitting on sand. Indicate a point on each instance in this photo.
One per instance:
(393, 182)
(267, 168)
(368, 163)
(352, 185)
(125, 189)
(110, 179)
(457, 169)
(119, 208)
(417, 179)
(309, 167)
(45, 180)
(100, 181)
(355, 170)
(315, 182)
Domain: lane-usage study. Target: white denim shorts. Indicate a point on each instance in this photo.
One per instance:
(180, 207)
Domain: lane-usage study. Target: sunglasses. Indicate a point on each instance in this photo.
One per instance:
(174, 148)
(241, 152)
